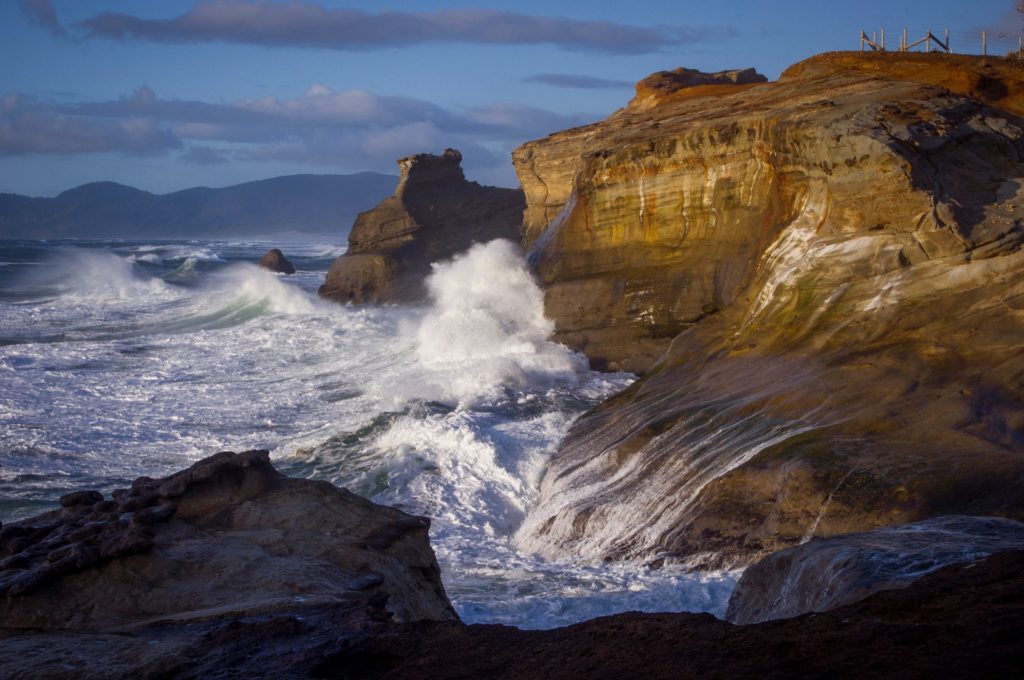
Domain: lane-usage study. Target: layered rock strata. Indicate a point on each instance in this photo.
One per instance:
(434, 214)
(150, 579)
(824, 280)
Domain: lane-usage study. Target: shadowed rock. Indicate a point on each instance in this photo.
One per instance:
(434, 215)
(275, 261)
(229, 541)
(960, 622)
(829, 572)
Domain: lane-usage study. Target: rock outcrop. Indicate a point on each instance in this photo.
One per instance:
(660, 87)
(826, 573)
(434, 215)
(275, 261)
(204, 562)
(960, 622)
(823, 278)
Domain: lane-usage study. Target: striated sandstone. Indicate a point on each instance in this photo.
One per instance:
(434, 214)
(826, 275)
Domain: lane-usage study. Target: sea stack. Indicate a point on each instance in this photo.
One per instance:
(434, 214)
(275, 261)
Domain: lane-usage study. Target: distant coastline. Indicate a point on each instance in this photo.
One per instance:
(294, 203)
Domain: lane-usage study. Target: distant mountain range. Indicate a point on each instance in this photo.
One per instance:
(304, 203)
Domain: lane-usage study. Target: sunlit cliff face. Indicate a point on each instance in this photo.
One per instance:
(825, 268)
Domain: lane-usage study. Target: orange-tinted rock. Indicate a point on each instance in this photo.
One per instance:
(823, 278)
(434, 214)
(659, 87)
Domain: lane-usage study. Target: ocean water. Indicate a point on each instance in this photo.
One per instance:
(128, 358)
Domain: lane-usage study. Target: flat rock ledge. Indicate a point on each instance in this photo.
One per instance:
(191, 570)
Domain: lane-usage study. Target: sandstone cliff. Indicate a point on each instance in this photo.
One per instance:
(433, 215)
(826, 274)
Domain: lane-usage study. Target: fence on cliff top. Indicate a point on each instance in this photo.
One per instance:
(974, 41)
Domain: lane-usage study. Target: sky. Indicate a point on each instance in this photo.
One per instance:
(179, 93)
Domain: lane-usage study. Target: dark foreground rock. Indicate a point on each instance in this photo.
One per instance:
(275, 261)
(829, 572)
(434, 215)
(960, 622)
(183, 575)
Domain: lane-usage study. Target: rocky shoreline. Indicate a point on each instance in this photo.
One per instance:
(819, 280)
(239, 571)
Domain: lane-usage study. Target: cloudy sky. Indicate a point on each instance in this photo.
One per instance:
(177, 93)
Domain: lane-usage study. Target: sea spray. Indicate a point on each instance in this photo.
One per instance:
(485, 335)
(91, 275)
(449, 410)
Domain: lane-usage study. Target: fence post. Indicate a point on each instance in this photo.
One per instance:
(903, 48)
(928, 41)
(949, 50)
(984, 44)
(883, 40)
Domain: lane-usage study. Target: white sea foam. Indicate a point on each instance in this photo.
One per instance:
(449, 410)
(485, 335)
(171, 253)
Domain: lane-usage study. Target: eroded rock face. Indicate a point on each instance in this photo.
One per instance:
(827, 276)
(659, 87)
(275, 261)
(659, 215)
(227, 539)
(830, 572)
(434, 215)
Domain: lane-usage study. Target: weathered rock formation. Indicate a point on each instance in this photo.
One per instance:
(275, 261)
(434, 215)
(657, 88)
(193, 569)
(960, 622)
(826, 573)
(827, 276)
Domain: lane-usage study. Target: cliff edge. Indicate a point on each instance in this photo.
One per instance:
(823, 279)
(434, 214)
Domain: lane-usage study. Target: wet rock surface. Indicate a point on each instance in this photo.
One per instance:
(822, 279)
(960, 622)
(826, 573)
(201, 562)
(434, 215)
(275, 261)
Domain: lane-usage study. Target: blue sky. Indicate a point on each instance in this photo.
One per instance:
(166, 95)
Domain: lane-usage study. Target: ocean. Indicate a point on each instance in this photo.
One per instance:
(123, 358)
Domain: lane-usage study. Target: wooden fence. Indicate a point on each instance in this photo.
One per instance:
(987, 42)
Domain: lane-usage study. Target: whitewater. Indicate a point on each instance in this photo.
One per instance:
(127, 358)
